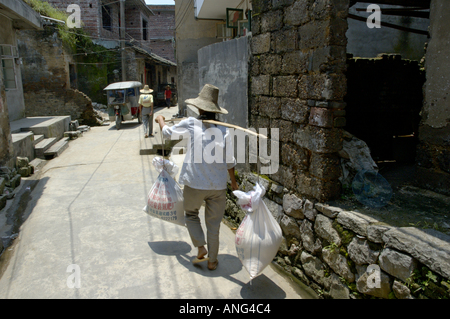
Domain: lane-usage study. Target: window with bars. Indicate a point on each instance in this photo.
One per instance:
(8, 55)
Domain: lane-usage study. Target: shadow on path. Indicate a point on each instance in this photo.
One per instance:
(260, 287)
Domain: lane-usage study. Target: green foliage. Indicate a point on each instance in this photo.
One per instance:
(68, 36)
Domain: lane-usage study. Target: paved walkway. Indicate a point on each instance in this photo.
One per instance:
(86, 219)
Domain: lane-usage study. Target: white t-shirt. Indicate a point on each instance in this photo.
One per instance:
(209, 154)
(146, 100)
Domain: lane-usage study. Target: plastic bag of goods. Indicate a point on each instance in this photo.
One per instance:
(259, 235)
(165, 199)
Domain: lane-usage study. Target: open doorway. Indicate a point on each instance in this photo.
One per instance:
(385, 79)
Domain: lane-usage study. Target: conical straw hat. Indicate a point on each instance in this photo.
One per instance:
(207, 100)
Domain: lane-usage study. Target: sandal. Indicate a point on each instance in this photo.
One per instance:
(199, 260)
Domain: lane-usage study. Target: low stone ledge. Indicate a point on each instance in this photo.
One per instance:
(355, 221)
(430, 247)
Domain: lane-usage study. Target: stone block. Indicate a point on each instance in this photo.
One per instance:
(285, 86)
(294, 110)
(338, 263)
(335, 87)
(270, 64)
(325, 190)
(3, 200)
(297, 13)
(314, 34)
(2, 184)
(25, 171)
(401, 291)
(295, 62)
(375, 233)
(271, 21)
(293, 206)
(321, 117)
(285, 40)
(336, 288)
(260, 6)
(261, 44)
(276, 4)
(361, 253)
(261, 85)
(309, 240)
(294, 157)
(325, 166)
(310, 87)
(365, 285)
(290, 227)
(324, 228)
(22, 162)
(397, 264)
(15, 181)
(356, 222)
(319, 140)
(313, 267)
(303, 184)
(309, 210)
(275, 209)
(329, 211)
(270, 107)
(285, 129)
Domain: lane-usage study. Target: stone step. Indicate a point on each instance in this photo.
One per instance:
(57, 148)
(37, 139)
(44, 145)
(37, 164)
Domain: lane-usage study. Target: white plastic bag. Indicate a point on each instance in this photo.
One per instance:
(259, 235)
(165, 199)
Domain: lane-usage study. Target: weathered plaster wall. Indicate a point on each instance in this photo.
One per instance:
(16, 105)
(433, 161)
(298, 85)
(46, 78)
(191, 35)
(225, 65)
(6, 144)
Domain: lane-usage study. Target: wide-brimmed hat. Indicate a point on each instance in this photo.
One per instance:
(146, 89)
(207, 100)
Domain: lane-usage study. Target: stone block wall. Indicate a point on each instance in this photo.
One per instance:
(348, 255)
(297, 84)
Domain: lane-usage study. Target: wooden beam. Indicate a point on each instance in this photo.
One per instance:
(390, 25)
(407, 12)
(405, 3)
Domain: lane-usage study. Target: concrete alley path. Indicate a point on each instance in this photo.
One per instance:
(86, 214)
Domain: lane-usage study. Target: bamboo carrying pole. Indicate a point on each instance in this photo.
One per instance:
(222, 124)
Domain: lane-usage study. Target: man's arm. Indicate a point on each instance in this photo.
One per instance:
(234, 185)
(160, 120)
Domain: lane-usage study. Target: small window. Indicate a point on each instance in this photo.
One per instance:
(144, 29)
(106, 17)
(8, 54)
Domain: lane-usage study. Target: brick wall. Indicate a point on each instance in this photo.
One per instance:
(162, 31)
(298, 85)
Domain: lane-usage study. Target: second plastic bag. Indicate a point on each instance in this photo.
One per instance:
(259, 236)
(165, 199)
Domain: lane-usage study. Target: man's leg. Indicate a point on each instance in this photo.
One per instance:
(145, 120)
(193, 199)
(214, 211)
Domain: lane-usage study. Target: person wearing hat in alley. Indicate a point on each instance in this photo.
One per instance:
(146, 109)
(203, 179)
